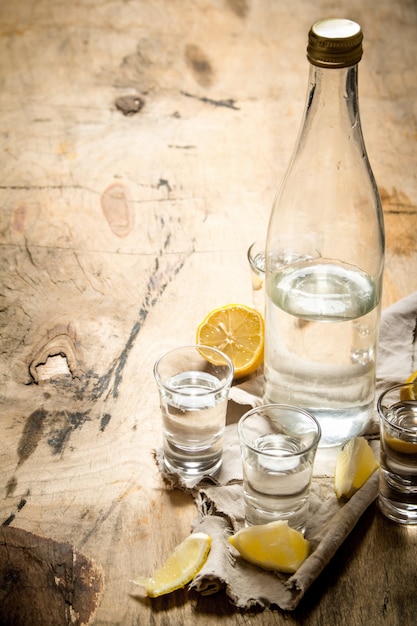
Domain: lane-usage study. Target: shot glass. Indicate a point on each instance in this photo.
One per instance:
(256, 258)
(193, 384)
(278, 445)
(397, 410)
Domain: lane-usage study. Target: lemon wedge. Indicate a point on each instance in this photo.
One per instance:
(238, 331)
(404, 447)
(355, 463)
(410, 393)
(182, 565)
(273, 546)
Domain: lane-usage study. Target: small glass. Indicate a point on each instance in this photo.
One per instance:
(256, 258)
(278, 446)
(397, 410)
(193, 384)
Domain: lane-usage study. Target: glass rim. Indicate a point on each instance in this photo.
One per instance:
(401, 429)
(292, 407)
(251, 258)
(206, 392)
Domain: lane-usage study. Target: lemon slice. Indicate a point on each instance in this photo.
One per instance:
(355, 463)
(404, 447)
(238, 331)
(273, 546)
(181, 566)
(410, 393)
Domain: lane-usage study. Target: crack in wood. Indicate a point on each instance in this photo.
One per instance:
(156, 288)
(19, 507)
(229, 103)
(185, 147)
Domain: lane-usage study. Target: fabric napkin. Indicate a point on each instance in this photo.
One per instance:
(220, 499)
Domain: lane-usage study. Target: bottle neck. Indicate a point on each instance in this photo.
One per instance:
(332, 100)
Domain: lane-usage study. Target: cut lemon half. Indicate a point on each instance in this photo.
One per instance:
(273, 546)
(180, 568)
(355, 463)
(410, 393)
(238, 331)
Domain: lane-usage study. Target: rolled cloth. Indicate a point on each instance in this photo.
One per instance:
(220, 499)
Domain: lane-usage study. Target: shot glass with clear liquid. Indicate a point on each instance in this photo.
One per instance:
(193, 384)
(397, 410)
(278, 445)
(256, 259)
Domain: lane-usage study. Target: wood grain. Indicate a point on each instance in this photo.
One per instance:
(142, 146)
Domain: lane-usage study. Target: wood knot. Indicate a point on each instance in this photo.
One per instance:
(200, 65)
(129, 105)
(59, 341)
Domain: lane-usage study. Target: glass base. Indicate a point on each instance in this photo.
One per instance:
(191, 468)
(256, 515)
(398, 512)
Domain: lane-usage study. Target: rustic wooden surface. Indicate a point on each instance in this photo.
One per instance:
(142, 142)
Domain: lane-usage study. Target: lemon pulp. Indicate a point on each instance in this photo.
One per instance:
(238, 331)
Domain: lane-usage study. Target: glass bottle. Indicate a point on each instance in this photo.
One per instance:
(325, 251)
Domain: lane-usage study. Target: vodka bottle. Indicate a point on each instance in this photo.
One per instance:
(325, 251)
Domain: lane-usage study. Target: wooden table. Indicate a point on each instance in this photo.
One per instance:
(142, 144)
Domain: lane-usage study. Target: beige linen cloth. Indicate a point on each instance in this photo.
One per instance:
(220, 500)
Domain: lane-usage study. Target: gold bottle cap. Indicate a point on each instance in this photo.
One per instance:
(335, 43)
